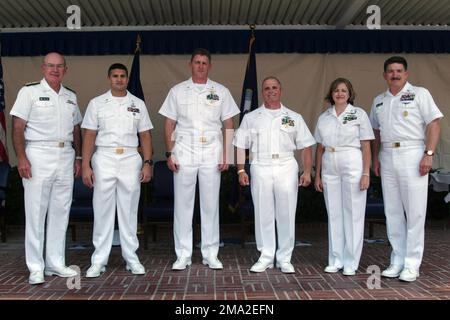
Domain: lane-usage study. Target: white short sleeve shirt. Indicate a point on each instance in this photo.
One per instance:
(403, 117)
(261, 132)
(345, 130)
(117, 121)
(199, 111)
(50, 116)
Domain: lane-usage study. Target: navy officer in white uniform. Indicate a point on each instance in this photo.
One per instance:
(195, 110)
(343, 133)
(405, 119)
(272, 133)
(47, 141)
(113, 125)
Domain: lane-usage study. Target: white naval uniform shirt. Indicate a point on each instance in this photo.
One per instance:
(263, 133)
(50, 116)
(199, 112)
(345, 130)
(403, 117)
(117, 121)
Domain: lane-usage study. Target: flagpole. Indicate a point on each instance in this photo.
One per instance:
(249, 102)
(135, 87)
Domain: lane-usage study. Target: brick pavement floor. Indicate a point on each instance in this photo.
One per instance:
(235, 281)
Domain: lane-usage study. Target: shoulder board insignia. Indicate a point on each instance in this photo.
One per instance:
(32, 83)
(70, 89)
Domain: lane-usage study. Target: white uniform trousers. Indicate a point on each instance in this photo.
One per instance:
(116, 181)
(184, 189)
(48, 194)
(274, 187)
(346, 206)
(404, 190)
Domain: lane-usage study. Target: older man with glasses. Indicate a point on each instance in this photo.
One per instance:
(47, 141)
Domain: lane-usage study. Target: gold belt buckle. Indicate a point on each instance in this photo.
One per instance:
(202, 139)
(61, 144)
(119, 150)
(396, 144)
(275, 156)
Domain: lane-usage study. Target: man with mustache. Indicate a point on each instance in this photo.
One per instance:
(406, 126)
(47, 141)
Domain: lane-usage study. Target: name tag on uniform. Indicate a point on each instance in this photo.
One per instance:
(71, 102)
(377, 107)
(44, 98)
(134, 110)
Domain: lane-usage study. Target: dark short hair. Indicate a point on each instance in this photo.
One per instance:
(334, 85)
(271, 78)
(201, 52)
(395, 59)
(117, 66)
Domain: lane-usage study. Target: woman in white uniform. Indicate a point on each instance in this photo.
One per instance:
(343, 133)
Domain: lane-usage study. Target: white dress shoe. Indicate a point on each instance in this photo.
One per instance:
(261, 266)
(95, 271)
(136, 268)
(181, 263)
(64, 272)
(349, 272)
(392, 271)
(213, 263)
(36, 277)
(331, 269)
(409, 275)
(286, 267)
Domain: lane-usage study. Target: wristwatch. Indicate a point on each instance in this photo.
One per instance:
(429, 152)
(168, 154)
(150, 162)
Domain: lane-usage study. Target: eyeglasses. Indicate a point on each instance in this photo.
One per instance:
(51, 65)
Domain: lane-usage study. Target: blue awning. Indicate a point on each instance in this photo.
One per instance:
(226, 42)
